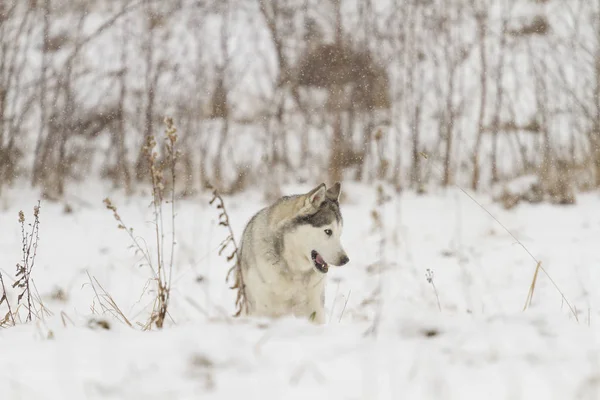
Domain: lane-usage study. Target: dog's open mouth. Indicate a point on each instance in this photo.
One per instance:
(320, 264)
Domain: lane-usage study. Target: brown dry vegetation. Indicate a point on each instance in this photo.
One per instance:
(489, 91)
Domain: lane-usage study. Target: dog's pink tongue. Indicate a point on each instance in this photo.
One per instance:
(319, 259)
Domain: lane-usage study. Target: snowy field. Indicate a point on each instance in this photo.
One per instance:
(385, 337)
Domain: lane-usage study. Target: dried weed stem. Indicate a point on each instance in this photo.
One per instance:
(9, 315)
(29, 242)
(163, 272)
(241, 301)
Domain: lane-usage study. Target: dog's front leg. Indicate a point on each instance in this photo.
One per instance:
(318, 317)
(316, 308)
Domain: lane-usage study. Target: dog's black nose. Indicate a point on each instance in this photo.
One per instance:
(344, 260)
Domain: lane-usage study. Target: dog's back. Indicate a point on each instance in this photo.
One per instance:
(260, 257)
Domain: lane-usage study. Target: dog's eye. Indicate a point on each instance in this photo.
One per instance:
(328, 232)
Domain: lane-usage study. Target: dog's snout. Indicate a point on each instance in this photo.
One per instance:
(344, 260)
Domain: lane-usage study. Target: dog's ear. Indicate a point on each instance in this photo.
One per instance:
(316, 197)
(333, 193)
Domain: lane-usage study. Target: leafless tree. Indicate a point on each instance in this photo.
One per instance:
(462, 76)
(16, 31)
(481, 17)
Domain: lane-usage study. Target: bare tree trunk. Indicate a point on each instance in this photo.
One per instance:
(224, 36)
(123, 176)
(284, 160)
(414, 107)
(272, 14)
(595, 134)
(11, 111)
(415, 173)
(449, 118)
(367, 134)
(337, 149)
(218, 162)
(68, 111)
(449, 136)
(337, 146)
(498, 101)
(203, 175)
(541, 91)
(37, 166)
(305, 143)
(141, 164)
(399, 47)
(455, 51)
(336, 156)
(481, 30)
(65, 132)
(61, 169)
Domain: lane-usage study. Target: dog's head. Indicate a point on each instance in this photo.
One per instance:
(318, 228)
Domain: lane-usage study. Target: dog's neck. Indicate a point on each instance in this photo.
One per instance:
(296, 266)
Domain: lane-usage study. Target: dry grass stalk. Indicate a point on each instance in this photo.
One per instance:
(64, 317)
(28, 295)
(345, 304)
(241, 301)
(429, 276)
(162, 273)
(29, 242)
(9, 315)
(107, 302)
(158, 184)
(532, 286)
(37, 299)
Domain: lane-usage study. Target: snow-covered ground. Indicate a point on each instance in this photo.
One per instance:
(480, 345)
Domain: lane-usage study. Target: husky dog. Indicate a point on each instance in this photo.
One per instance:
(286, 251)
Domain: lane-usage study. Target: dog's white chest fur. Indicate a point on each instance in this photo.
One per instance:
(274, 294)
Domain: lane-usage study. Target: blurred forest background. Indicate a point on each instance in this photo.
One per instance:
(415, 93)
